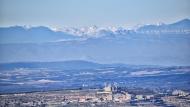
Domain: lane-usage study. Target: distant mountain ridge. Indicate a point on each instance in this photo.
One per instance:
(19, 34)
(65, 65)
(40, 34)
(76, 65)
(180, 27)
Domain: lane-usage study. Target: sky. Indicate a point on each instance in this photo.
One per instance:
(80, 13)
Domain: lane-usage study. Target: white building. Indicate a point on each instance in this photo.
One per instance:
(122, 97)
(139, 97)
(179, 93)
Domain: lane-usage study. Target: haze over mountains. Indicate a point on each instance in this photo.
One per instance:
(164, 44)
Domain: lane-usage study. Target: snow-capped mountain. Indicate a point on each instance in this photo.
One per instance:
(19, 34)
(84, 31)
(92, 31)
(181, 27)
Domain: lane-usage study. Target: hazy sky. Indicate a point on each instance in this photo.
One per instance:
(77, 13)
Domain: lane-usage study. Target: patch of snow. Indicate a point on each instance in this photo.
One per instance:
(139, 73)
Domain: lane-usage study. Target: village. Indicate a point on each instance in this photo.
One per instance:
(108, 96)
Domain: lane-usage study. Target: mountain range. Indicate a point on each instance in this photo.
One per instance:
(164, 44)
(40, 34)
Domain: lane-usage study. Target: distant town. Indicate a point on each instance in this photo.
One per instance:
(109, 96)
